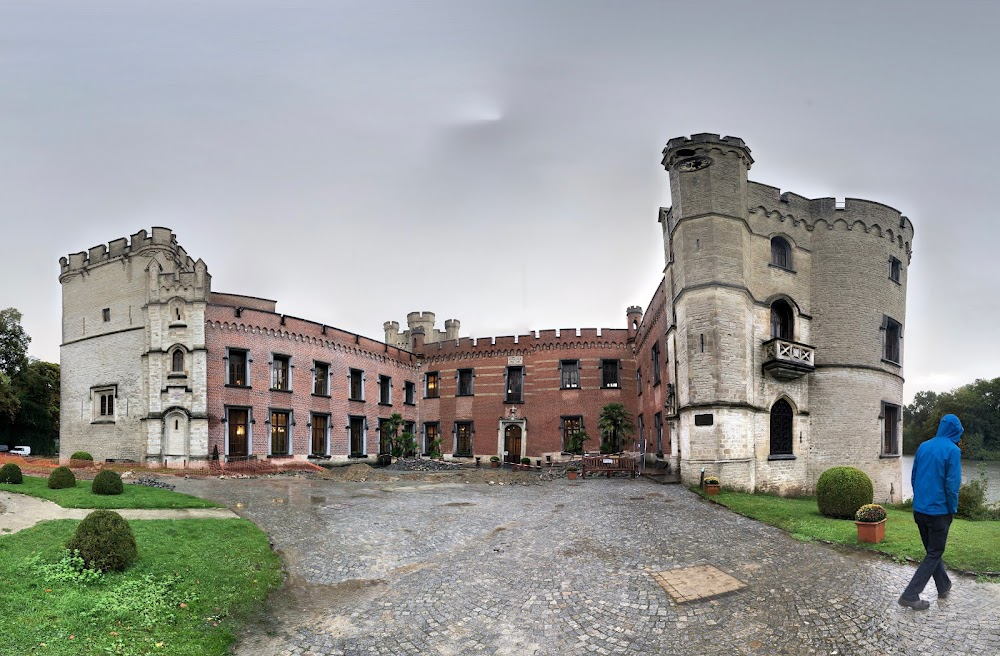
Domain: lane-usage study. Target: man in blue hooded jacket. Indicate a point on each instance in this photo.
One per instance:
(936, 477)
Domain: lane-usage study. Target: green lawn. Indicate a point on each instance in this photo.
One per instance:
(221, 570)
(971, 545)
(134, 496)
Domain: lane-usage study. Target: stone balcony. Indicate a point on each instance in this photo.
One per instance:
(788, 360)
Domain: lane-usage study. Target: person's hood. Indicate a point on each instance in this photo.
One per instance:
(951, 428)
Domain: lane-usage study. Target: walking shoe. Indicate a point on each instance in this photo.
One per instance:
(943, 594)
(915, 604)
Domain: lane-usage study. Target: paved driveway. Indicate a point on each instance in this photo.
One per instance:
(565, 568)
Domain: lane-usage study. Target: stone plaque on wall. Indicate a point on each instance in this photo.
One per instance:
(515, 360)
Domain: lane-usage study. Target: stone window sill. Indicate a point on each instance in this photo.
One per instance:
(782, 456)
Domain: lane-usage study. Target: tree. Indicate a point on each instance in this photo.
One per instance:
(616, 423)
(13, 343)
(9, 403)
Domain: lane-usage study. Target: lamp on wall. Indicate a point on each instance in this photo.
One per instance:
(222, 418)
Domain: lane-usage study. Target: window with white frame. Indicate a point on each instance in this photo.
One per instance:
(463, 438)
(569, 374)
(281, 373)
(103, 402)
(357, 430)
(321, 379)
(320, 429)
(281, 432)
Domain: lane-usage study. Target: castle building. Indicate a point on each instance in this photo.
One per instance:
(770, 351)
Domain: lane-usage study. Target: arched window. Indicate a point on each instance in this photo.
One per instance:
(781, 253)
(177, 361)
(782, 323)
(781, 428)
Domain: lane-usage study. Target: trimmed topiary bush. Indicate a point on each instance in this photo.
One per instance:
(81, 455)
(105, 542)
(840, 491)
(61, 477)
(107, 482)
(11, 473)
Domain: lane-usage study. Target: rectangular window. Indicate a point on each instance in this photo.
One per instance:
(890, 429)
(321, 379)
(463, 438)
(385, 390)
(106, 314)
(320, 444)
(642, 429)
(356, 426)
(569, 374)
(280, 438)
(409, 392)
(237, 370)
(384, 436)
(610, 372)
(515, 385)
(658, 427)
(895, 269)
(280, 368)
(638, 381)
(892, 343)
(432, 431)
(656, 363)
(432, 385)
(357, 385)
(103, 400)
(238, 442)
(571, 427)
(464, 377)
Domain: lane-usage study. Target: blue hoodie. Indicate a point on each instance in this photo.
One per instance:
(937, 470)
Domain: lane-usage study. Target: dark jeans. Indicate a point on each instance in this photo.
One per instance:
(934, 534)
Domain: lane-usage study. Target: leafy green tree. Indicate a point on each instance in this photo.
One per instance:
(13, 343)
(575, 442)
(616, 423)
(9, 403)
(976, 404)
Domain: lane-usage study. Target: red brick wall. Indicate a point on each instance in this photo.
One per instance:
(264, 333)
(652, 331)
(544, 402)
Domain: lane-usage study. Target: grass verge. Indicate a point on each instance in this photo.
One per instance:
(193, 586)
(134, 496)
(971, 545)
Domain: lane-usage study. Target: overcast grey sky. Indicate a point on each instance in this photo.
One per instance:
(494, 162)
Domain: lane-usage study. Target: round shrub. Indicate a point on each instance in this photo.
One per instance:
(840, 491)
(971, 498)
(105, 542)
(11, 473)
(81, 455)
(61, 477)
(107, 482)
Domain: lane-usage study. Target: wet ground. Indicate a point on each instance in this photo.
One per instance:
(440, 566)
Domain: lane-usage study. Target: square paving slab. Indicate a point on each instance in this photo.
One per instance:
(697, 583)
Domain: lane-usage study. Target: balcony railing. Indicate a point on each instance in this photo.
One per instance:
(788, 360)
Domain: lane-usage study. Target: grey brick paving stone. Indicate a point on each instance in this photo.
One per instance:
(564, 568)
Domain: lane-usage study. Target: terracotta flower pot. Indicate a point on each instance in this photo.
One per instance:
(711, 489)
(494, 463)
(873, 532)
(571, 475)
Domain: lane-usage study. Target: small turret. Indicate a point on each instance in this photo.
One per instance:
(634, 315)
(391, 332)
(417, 336)
(451, 328)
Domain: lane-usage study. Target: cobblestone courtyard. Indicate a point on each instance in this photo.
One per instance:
(568, 568)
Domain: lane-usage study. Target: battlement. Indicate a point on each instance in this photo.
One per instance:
(828, 211)
(122, 247)
(420, 318)
(680, 146)
(633, 309)
(538, 339)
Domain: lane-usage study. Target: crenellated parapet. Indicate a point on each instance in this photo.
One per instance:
(542, 340)
(850, 214)
(161, 239)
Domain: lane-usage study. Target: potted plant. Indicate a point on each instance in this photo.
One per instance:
(494, 461)
(571, 473)
(526, 464)
(539, 464)
(870, 520)
(711, 485)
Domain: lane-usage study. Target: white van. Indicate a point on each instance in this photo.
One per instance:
(21, 450)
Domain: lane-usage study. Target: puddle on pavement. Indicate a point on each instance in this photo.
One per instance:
(459, 504)
(315, 500)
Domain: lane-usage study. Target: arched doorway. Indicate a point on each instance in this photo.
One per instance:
(512, 443)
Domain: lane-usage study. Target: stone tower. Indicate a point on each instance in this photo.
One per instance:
(784, 325)
(133, 351)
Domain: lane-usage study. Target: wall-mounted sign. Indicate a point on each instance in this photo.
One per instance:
(515, 360)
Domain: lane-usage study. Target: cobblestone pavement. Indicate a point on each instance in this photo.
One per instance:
(565, 568)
